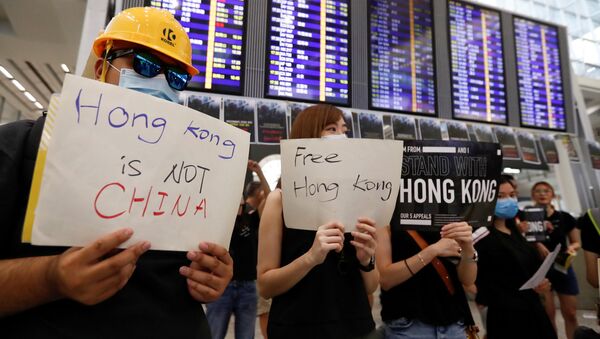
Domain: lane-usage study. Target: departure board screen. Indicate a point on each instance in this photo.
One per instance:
(477, 63)
(541, 98)
(402, 71)
(308, 51)
(216, 30)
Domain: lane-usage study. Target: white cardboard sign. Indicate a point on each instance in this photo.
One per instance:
(119, 158)
(339, 180)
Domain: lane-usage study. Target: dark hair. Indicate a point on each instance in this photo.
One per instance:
(507, 178)
(251, 189)
(540, 183)
(312, 120)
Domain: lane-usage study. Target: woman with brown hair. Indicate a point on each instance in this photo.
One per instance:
(319, 280)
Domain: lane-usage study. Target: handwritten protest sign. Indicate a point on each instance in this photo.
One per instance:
(339, 180)
(448, 181)
(120, 158)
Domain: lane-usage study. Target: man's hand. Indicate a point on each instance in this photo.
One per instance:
(209, 272)
(91, 274)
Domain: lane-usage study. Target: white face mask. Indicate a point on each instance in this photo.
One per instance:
(335, 136)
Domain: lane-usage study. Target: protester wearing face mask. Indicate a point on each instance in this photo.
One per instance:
(319, 281)
(560, 226)
(506, 262)
(97, 290)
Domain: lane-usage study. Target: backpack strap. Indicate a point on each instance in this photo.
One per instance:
(594, 215)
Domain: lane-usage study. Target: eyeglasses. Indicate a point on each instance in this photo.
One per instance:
(540, 191)
(150, 66)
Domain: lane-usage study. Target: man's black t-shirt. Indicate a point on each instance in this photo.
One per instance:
(155, 303)
(562, 224)
(590, 237)
(244, 246)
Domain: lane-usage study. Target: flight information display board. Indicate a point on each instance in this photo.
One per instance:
(308, 51)
(216, 30)
(477, 63)
(541, 99)
(402, 71)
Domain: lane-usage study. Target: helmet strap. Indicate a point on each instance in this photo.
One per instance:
(105, 62)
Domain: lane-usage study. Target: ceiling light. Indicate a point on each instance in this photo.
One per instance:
(5, 72)
(18, 85)
(509, 170)
(38, 105)
(29, 96)
(65, 68)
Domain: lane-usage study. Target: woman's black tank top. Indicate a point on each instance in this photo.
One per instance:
(329, 302)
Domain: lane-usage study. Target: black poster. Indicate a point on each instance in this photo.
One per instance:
(536, 230)
(448, 181)
(483, 133)
(295, 109)
(549, 148)
(404, 127)
(507, 138)
(528, 147)
(430, 129)
(594, 148)
(457, 131)
(240, 113)
(371, 126)
(348, 121)
(206, 104)
(270, 117)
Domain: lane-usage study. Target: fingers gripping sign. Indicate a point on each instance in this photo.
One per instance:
(91, 274)
(329, 237)
(365, 240)
(209, 272)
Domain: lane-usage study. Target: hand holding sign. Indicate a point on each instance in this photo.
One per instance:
(461, 232)
(447, 247)
(365, 240)
(209, 272)
(88, 276)
(328, 237)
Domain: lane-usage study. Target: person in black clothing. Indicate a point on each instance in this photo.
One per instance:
(98, 291)
(239, 297)
(560, 226)
(506, 262)
(319, 281)
(589, 224)
(417, 300)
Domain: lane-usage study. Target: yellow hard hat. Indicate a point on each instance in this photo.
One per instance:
(151, 27)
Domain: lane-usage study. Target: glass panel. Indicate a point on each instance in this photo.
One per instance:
(592, 6)
(572, 23)
(554, 15)
(578, 67)
(540, 11)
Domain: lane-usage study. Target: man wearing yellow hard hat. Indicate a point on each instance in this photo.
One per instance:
(97, 291)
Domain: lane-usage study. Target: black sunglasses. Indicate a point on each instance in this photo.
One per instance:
(150, 66)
